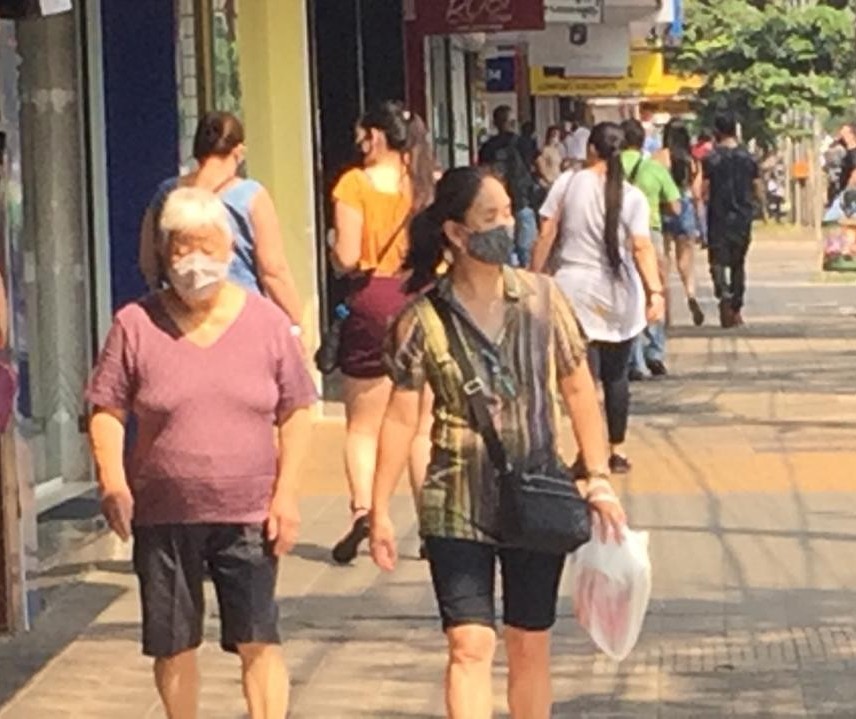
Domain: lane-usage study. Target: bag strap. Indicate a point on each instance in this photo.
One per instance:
(631, 178)
(391, 243)
(473, 386)
(245, 257)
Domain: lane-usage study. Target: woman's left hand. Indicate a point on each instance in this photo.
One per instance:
(283, 523)
(656, 311)
(611, 515)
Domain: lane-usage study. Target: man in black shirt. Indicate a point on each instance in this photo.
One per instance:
(847, 138)
(504, 152)
(732, 185)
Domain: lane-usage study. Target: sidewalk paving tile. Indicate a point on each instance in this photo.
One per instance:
(743, 475)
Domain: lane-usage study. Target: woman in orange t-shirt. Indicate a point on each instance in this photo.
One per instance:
(373, 207)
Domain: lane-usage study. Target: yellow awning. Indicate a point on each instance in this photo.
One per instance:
(646, 77)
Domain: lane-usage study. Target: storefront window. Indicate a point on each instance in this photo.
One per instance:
(207, 65)
(224, 35)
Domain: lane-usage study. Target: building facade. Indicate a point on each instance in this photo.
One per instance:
(98, 104)
(547, 60)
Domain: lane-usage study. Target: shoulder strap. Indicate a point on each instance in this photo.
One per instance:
(631, 178)
(385, 250)
(473, 386)
(243, 254)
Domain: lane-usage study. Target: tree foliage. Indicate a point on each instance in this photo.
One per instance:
(771, 63)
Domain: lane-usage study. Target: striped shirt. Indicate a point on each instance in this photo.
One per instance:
(540, 343)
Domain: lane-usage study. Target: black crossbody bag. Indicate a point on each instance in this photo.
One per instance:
(538, 511)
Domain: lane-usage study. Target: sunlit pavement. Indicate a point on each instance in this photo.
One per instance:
(743, 472)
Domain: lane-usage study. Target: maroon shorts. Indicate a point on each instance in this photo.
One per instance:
(373, 309)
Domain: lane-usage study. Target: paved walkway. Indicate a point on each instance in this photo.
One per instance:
(744, 476)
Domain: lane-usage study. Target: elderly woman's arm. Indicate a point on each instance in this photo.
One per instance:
(274, 273)
(107, 440)
(293, 435)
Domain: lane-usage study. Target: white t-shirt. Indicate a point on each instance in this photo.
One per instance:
(576, 144)
(610, 308)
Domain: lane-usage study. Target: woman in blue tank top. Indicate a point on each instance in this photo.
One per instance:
(259, 264)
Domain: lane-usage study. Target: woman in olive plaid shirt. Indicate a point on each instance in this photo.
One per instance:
(523, 340)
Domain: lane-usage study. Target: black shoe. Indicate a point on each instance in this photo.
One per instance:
(619, 464)
(658, 369)
(696, 311)
(726, 314)
(636, 375)
(346, 550)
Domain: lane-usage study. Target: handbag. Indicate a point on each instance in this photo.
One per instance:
(540, 511)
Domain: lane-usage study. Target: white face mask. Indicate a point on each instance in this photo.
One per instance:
(197, 276)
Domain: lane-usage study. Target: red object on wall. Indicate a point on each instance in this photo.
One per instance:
(444, 17)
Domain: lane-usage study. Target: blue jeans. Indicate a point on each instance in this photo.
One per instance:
(525, 235)
(650, 346)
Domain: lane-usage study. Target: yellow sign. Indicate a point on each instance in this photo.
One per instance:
(646, 77)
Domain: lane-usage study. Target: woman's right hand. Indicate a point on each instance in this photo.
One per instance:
(382, 541)
(118, 508)
(656, 311)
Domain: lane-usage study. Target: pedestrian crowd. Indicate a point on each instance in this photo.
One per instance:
(470, 306)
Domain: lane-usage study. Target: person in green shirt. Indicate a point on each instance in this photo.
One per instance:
(656, 183)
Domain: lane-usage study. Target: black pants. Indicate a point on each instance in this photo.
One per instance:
(610, 363)
(727, 258)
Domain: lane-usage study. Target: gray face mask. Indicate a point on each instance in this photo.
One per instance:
(493, 246)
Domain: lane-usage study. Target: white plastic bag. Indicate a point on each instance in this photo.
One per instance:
(611, 586)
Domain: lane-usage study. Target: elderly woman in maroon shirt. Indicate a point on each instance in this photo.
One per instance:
(207, 370)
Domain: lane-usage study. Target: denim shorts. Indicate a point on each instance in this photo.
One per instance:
(464, 573)
(171, 561)
(685, 224)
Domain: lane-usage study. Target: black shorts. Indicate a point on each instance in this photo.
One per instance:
(171, 562)
(464, 573)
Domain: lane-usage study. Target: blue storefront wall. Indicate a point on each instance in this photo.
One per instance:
(141, 114)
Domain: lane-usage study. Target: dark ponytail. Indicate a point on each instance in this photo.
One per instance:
(676, 138)
(455, 193)
(607, 139)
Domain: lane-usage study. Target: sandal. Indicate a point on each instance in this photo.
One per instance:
(347, 548)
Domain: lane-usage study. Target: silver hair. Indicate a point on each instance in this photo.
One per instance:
(193, 208)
